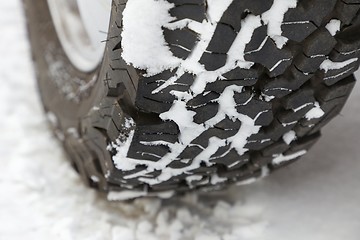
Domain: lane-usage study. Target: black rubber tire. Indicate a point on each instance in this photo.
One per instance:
(90, 116)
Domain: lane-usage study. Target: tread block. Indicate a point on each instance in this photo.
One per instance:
(186, 79)
(181, 41)
(230, 159)
(168, 138)
(224, 34)
(309, 10)
(179, 164)
(331, 108)
(334, 76)
(202, 100)
(304, 122)
(221, 151)
(348, 41)
(258, 145)
(319, 43)
(235, 9)
(299, 99)
(275, 148)
(116, 87)
(249, 76)
(108, 125)
(190, 2)
(297, 31)
(297, 78)
(283, 85)
(220, 85)
(240, 9)
(257, 7)
(265, 118)
(308, 64)
(141, 151)
(341, 89)
(160, 102)
(277, 64)
(151, 105)
(240, 77)
(336, 56)
(276, 87)
(243, 97)
(189, 11)
(259, 37)
(302, 130)
(179, 51)
(203, 139)
(291, 116)
(274, 131)
(228, 124)
(346, 12)
(110, 108)
(168, 127)
(304, 143)
(336, 103)
(254, 107)
(191, 151)
(213, 61)
(205, 112)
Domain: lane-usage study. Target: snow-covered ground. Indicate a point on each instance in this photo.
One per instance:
(42, 198)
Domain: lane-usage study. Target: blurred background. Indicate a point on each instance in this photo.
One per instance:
(42, 198)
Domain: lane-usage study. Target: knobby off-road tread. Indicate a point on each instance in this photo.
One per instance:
(282, 86)
(292, 75)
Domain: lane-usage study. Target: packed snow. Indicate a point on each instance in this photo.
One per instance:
(330, 65)
(281, 158)
(289, 137)
(151, 54)
(315, 112)
(333, 26)
(42, 198)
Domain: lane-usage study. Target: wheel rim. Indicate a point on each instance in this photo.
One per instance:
(82, 27)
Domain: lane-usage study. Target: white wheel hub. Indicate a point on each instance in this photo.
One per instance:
(82, 27)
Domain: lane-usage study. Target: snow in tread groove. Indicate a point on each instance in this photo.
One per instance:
(281, 158)
(146, 47)
(183, 117)
(333, 26)
(315, 112)
(289, 137)
(42, 198)
(330, 65)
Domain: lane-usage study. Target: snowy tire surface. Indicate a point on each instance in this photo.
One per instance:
(198, 94)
